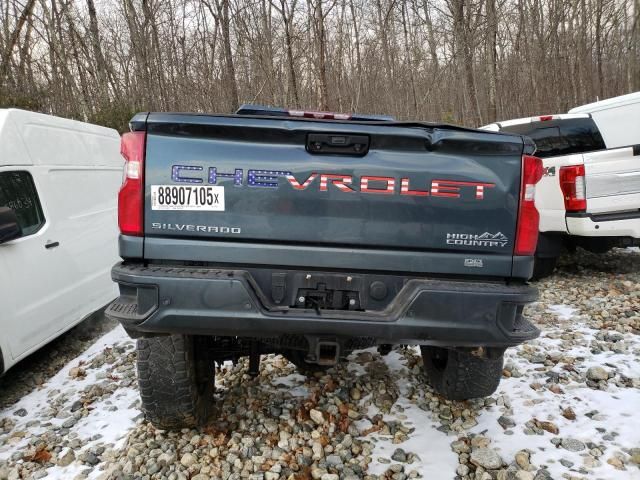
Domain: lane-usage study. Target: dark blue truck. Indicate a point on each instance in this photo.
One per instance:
(316, 234)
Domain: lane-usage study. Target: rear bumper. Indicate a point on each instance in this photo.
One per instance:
(621, 224)
(210, 301)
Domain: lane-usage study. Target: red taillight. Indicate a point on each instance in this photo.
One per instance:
(131, 195)
(528, 216)
(546, 118)
(320, 115)
(573, 188)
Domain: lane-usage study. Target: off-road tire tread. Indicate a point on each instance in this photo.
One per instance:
(169, 377)
(465, 376)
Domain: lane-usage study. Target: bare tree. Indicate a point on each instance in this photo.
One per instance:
(13, 40)
(492, 58)
(287, 12)
(466, 61)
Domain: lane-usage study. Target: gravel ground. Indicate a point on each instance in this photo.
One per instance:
(566, 407)
(36, 369)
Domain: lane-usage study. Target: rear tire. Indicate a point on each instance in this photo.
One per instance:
(176, 380)
(459, 375)
(543, 267)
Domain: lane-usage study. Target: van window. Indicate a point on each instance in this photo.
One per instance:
(17, 191)
(561, 137)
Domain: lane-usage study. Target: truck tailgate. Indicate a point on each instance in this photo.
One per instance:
(410, 187)
(612, 180)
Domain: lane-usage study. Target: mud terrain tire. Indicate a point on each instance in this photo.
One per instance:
(176, 380)
(459, 375)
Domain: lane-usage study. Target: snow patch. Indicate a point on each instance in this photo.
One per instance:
(111, 418)
(428, 443)
(564, 312)
(295, 383)
(616, 408)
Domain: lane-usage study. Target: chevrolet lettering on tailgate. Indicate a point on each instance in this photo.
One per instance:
(345, 183)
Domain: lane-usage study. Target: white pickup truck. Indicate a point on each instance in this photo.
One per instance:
(589, 195)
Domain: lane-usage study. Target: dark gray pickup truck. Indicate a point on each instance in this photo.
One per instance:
(314, 234)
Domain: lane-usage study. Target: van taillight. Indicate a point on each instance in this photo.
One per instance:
(528, 216)
(131, 195)
(573, 188)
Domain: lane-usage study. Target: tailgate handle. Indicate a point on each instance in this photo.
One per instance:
(337, 144)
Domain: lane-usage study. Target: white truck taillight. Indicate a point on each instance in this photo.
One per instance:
(573, 188)
(131, 195)
(528, 216)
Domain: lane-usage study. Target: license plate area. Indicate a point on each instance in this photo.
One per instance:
(328, 292)
(187, 197)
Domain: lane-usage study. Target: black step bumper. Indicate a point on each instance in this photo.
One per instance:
(211, 301)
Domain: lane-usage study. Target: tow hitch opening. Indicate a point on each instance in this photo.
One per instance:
(327, 353)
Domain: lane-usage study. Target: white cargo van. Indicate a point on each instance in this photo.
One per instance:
(589, 195)
(59, 181)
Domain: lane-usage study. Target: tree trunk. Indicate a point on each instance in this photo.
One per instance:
(433, 46)
(232, 86)
(492, 50)
(13, 40)
(287, 18)
(355, 102)
(635, 42)
(101, 64)
(408, 53)
(464, 49)
(321, 49)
